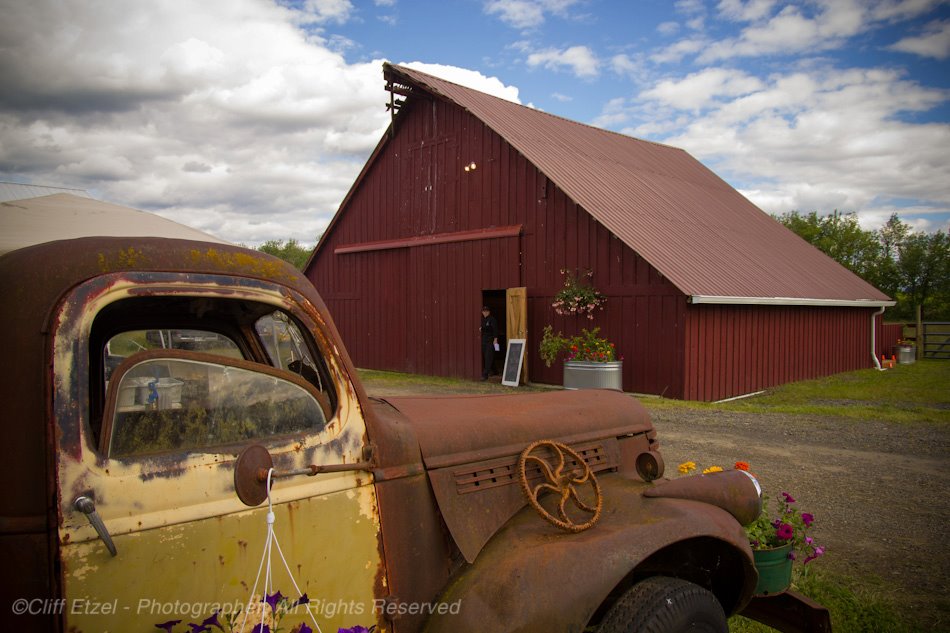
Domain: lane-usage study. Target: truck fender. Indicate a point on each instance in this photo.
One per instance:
(533, 577)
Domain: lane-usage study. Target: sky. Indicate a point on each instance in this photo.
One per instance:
(250, 119)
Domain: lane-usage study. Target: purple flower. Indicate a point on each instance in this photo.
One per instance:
(213, 621)
(809, 540)
(274, 600)
(788, 498)
(791, 555)
(168, 626)
(198, 628)
(301, 600)
(357, 629)
(303, 628)
(808, 518)
(785, 532)
(818, 552)
(260, 628)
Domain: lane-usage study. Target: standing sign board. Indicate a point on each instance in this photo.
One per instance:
(513, 360)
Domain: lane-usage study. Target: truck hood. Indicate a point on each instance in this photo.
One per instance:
(471, 445)
(454, 430)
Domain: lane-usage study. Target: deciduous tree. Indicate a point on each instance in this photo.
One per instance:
(289, 251)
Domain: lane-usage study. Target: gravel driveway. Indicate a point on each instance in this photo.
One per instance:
(878, 490)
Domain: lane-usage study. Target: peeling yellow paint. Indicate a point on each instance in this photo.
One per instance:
(213, 568)
(123, 259)
(180, 531)
(237, 261)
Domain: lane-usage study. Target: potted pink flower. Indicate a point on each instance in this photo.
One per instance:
(778, 538)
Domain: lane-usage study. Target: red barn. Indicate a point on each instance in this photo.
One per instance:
(467, 196)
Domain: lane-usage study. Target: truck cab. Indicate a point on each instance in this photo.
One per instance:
(149, 381)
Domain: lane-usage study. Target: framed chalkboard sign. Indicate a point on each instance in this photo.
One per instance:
(513, 361)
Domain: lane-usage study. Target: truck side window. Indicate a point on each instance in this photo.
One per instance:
(167, 403)
(164, 405)
(286, 348)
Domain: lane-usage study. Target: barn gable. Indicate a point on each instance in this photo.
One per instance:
(699, 232)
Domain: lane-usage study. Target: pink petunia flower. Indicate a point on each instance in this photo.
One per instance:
(808, 518)
(785, 532)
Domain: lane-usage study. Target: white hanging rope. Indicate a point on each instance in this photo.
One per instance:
(268, 576)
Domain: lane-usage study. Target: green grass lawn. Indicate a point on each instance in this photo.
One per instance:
(908, 393)
(855, 607)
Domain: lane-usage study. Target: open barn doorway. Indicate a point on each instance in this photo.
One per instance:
(496, 302)
(509, 307)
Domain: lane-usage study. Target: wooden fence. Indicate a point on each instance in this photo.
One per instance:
(935, 341)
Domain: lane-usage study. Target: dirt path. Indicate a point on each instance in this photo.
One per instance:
(878, 490)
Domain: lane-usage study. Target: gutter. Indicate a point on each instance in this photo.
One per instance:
(874, 316)
(792, 301)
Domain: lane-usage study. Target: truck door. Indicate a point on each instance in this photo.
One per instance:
(158, 386)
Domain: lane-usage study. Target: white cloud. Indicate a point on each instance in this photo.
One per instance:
(677, 51)
(623, 65)
(468, 78)
(775, 28)
(557, 96)
(323, 11)
(613, 113)
(579, 59)
(892, 10)
(668, 28)
(791, 30)
(934, 42)
(227, 116)
(745, 10)
(526, 14)
(698, 90)
(520, 14)
(694, 11)
(821, 140)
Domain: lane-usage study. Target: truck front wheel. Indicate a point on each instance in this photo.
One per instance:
(665, 605)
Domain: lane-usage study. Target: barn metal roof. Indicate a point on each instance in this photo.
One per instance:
(64, 216)
(693, 227)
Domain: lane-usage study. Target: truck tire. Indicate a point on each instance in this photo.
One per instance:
(665, 605)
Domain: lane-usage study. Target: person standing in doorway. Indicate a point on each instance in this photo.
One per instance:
(489, 330)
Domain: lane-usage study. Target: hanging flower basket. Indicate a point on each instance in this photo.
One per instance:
(578, 297)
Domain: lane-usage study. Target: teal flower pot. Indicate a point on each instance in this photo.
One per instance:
(775, 570)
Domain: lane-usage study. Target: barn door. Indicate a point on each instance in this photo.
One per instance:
(516, 312)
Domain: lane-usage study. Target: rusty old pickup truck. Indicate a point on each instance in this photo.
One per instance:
(138, 464)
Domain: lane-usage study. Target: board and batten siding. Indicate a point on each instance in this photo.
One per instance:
(735, 350)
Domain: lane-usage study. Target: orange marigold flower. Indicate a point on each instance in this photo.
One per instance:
(742, 466)
(687, 467)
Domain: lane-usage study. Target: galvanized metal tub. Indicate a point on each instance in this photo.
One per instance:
(906, 354)
(588, 375)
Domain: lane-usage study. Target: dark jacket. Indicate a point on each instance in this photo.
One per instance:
(489, 328)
